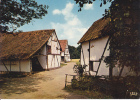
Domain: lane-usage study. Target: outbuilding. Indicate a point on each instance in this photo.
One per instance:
(65, 55)
(29, 51)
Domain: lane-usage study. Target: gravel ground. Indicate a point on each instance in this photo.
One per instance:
(41, 85)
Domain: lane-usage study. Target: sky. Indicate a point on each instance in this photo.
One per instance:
(63, 16)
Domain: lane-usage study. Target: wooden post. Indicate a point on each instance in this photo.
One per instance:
(89, 50)
(110, 72)
(5, 66)
(30, 65)
(10, 65)
(47, 61)
(19, 66)
(121, 71)
(66, 80)
(74, 77)
(83, 56)
(89, 58)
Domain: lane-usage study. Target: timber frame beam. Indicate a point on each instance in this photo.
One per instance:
(5, 66)
(103, 54)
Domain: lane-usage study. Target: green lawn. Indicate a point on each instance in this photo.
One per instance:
(62, 64)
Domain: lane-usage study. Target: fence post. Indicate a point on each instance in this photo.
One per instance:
(74, 77)
(66, 80)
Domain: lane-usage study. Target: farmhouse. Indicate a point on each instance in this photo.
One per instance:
(95, 45)
(65, 55)
(29, 51)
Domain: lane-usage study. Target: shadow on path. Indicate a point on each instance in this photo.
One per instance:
(19, 85)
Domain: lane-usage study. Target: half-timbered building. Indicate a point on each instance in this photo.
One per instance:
(65, 55)
(29, 51)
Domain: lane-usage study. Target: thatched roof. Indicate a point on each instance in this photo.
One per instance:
(96, 30)
(22, 45)
(63, 44)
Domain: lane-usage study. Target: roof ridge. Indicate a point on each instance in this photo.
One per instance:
(36, 31)
(94, 31)
(64, 39)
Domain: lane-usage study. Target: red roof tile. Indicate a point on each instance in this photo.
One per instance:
(63, 44)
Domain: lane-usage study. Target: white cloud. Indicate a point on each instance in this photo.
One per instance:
(72, 29)
(56, 11)
(88, 6)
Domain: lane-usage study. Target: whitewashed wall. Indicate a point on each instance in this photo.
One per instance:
(54, 58)
(85, 55)
(54, 61)
(17, 66)
(55, 47)
(96, 50)
(49, 41)
(126, 71)
(67, 57)
(67, 54)
(62, 53)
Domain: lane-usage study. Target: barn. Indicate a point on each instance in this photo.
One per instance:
(29, 51)
(65, 55)
(95, 45)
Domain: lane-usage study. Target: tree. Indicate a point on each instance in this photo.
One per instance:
(125, 39)
(16, 13)
(78, 51)
(75, 52)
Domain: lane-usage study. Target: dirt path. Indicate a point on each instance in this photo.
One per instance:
(42, 85)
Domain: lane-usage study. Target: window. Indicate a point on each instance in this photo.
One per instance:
(48, 49)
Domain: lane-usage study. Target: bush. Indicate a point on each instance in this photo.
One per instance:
(117, 88)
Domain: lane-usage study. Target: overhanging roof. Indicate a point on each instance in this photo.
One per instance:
(22, 45)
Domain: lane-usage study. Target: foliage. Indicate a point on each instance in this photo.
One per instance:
(117, 89)
(16, 13)
(82, 2)
(85, 83)
(89, 94)
(75, 52)
(125, 38)
(79, 69)
(125, 42)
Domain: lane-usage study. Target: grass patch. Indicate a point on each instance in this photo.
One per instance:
(90, 94)
(62, 64)
(75, 60)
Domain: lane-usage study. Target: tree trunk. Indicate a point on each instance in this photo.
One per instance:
(110, 72)
(121, 72)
